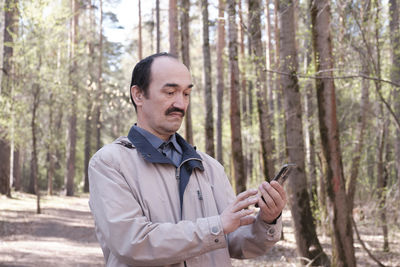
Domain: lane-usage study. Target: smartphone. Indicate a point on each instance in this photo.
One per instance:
(283, 174)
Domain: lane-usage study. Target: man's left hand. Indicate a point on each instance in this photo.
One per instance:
(275, 200)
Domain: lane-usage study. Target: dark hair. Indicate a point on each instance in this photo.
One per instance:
(141, 74)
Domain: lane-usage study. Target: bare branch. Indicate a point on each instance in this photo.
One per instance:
(352, 76)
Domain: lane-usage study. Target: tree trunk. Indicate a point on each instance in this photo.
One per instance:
(308, 245)
(395, 73)
(382, 181)
(72, 119)
(158, 25)
(184, 16)
(173, 27)
(279, 122)
(89, 101)
(236, 136)
(140, 49)
(99, 94)
(209, 123)
(361, 125)
(10, 31)
(17, 170)
(220, 76)
(34, 179)
(258, 58)
(243, 67)
(269, 62)
(50, 148)
(343, 249)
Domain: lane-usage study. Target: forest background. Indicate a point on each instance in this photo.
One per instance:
(315, 83)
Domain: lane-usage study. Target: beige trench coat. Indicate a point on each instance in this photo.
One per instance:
(139, 221)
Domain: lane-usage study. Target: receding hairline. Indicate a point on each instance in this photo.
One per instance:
(167, 57)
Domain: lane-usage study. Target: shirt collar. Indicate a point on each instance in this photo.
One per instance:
(156, 142)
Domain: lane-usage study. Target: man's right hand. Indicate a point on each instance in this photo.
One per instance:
(237, 214)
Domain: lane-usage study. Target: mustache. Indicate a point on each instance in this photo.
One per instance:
(174, 109)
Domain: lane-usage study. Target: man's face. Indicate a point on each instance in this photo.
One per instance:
(162, 111)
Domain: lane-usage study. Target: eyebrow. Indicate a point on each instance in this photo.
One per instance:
(176, 85)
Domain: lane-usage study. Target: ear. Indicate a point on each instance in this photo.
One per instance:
(137, 95)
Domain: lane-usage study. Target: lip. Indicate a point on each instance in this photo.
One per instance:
(175, 114)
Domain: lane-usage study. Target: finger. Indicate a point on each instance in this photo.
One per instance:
(246, 194)
(247, 220)
(245, 203)
(264, 189)
(280, 189)
(274, 193)
(242, 213)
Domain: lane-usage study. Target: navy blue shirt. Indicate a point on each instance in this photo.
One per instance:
(170, 149)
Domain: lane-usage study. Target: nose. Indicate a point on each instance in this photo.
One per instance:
(180, 101)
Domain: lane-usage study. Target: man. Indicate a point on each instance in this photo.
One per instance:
(156, 201)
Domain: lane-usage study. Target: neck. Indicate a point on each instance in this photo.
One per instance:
(162, 136)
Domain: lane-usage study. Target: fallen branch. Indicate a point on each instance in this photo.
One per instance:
(363, 245)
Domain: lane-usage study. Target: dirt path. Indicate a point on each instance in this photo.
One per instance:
(63, 235)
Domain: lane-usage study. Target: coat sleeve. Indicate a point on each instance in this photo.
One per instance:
(124, 231)
(247, 241)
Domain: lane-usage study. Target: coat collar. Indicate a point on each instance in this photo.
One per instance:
(152, 155)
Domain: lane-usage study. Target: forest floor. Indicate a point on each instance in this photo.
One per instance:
(63, 235)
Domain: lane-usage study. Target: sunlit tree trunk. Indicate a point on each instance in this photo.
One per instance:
(382, 179)
(236, 135)
(173, 28)
(209, 123)
(91, 36)
(361, 125)
(243, 68)
(50, 148)
(279, 121)
(308, 245)
(10, 31)
(72, 119)
(343, 249)
(34, 173)
(395, 72)
(258, 59)
(99, 94)
(140, 45)
(220, 76)
(184, 19)
(158, 40)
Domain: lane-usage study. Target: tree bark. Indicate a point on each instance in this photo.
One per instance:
(99, 94)
(184, 17)
(220, 76)
(236, 135)
(10, 31)
(343, 249)
(361, 125)
(382, 180)
(50, 148)
(173, 27)
(394, 22)
(72, 119)
(158, 25)
(258, 58)
(89, 102)
(140, 49)
(308, 245)
(209, 123)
